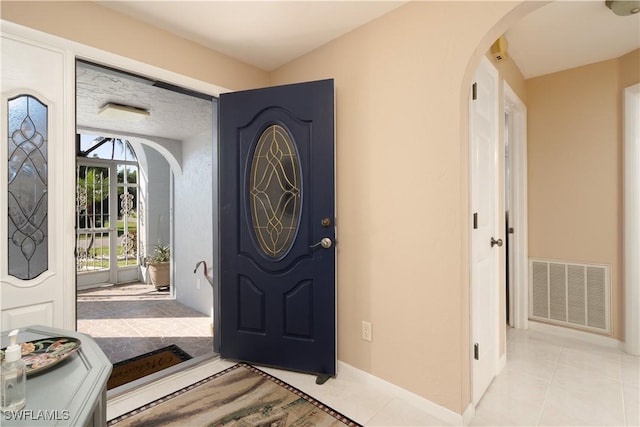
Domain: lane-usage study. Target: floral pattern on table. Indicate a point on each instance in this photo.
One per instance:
(40, 355)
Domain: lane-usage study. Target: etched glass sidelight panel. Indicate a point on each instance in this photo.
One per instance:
(27, 187)
(275, 191)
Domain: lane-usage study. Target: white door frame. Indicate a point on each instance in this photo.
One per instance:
(518, 168)
(73, 50)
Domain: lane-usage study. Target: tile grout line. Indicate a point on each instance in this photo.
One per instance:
(624, 402)
(546, 396)
(378, 412)
(162, 304)
(132, 327)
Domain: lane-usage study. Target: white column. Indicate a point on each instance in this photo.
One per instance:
(631, 233)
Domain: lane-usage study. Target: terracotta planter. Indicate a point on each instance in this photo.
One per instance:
(160, 274)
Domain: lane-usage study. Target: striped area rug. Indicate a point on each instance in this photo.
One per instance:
(241, 395)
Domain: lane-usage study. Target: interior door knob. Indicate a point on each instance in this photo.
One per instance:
(495, 242)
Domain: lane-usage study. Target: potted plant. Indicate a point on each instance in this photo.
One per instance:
(158, 265)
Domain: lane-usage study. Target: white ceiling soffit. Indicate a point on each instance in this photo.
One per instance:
(569, 34)
(266, 34)
(172, 115)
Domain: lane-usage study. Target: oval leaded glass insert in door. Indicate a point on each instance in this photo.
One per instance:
(27, 187)
(275, 191)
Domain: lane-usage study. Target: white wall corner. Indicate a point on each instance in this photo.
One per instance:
(502, 363)
(468, 415)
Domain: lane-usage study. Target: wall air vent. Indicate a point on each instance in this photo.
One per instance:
(570, 294)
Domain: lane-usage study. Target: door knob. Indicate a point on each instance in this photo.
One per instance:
(325, 243)
(495, 242)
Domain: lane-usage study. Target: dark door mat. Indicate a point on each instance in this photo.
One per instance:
(145, 364)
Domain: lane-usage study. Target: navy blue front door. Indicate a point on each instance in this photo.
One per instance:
(277, 202)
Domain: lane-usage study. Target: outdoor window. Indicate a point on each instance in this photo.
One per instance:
(106, 204)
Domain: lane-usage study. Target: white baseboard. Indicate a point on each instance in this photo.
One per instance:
(574, 333)
(468, 414)
(438, 411)
(502, 363)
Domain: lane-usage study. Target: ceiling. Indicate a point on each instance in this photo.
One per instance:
(270, 33)
(266, 34)
(568, 34)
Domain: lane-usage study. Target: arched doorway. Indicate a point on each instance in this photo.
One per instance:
(487, 320)
(567, 170)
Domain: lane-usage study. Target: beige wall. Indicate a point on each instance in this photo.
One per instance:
(575, 167)
(629, 69)
(402, 93)
(402, 87)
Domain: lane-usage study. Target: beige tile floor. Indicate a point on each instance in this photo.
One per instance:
(556, 379)
(133, 319)
(550, 379)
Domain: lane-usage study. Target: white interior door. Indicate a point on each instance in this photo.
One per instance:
(483, 131)
(33, 272)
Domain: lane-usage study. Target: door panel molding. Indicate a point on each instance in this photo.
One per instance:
(36, 314)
